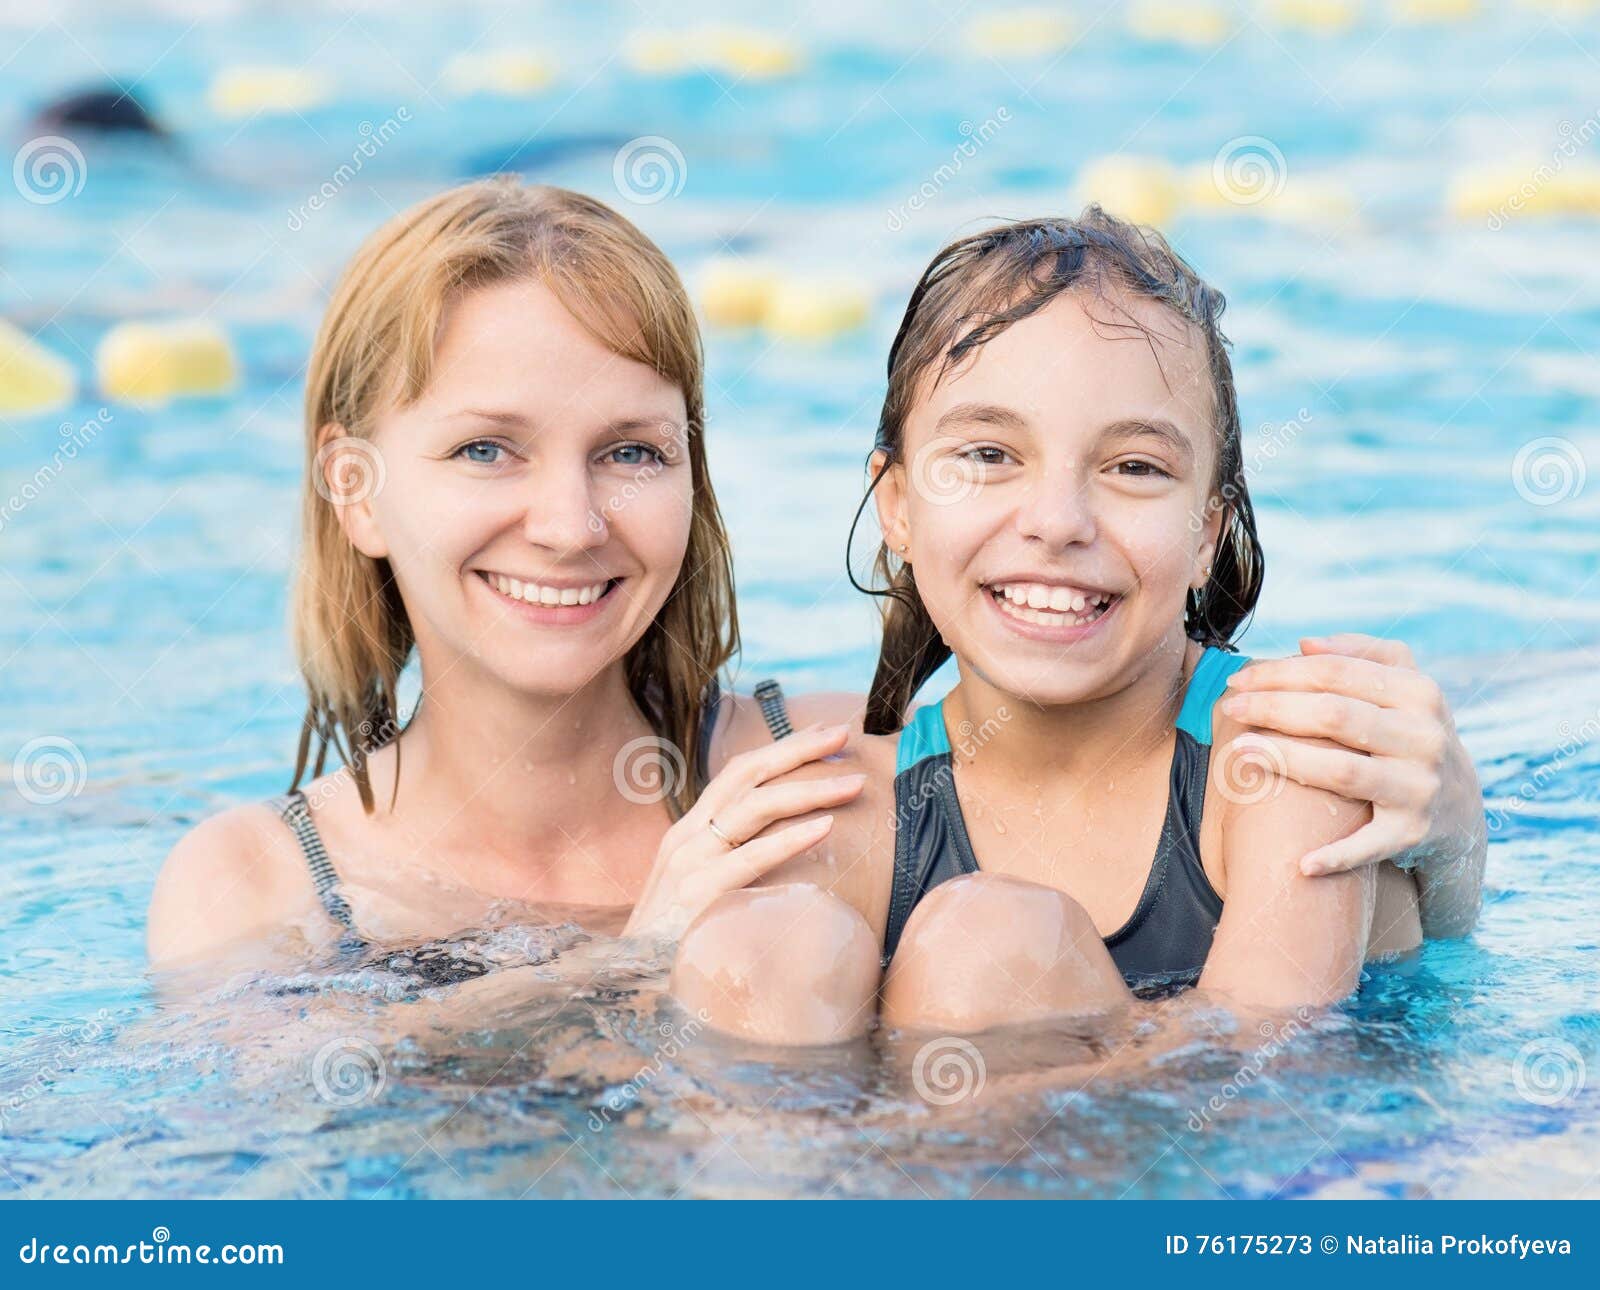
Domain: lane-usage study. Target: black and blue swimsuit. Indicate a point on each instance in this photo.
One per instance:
(1166, 939)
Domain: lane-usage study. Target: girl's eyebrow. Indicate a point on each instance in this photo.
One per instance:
(984, 414)
(1169, 434)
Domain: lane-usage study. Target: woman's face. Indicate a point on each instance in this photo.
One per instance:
(1054, 497)
(535, 501)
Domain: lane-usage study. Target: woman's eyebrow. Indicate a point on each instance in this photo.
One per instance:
(512, 419)
(983, 414)
(1136, 428)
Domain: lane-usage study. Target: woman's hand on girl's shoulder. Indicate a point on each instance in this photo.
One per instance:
(1354, 715)
(757, 813)
(1285, 938)
(234, 877)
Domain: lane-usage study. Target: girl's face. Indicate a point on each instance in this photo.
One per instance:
(534, 503)
(1054, 497)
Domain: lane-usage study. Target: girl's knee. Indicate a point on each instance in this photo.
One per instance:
(783, 965)
(985, 950)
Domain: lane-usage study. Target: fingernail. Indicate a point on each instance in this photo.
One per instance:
(824, 822)
(1235, 707)
(1312, 868)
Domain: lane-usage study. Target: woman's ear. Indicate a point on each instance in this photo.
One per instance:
(890, 498)
(349, 473)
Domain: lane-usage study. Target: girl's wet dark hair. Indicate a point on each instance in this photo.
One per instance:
(974, 289)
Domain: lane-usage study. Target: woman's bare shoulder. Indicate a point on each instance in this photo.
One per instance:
(233, 877)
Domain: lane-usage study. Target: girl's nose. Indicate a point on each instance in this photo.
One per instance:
(1057, 510)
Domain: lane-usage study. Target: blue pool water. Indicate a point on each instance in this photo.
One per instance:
(1423, 403)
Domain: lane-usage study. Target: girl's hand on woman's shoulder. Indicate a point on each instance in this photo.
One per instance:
(715, 847)
(1395, 746)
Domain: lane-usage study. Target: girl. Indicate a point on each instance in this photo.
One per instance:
(1059, 481)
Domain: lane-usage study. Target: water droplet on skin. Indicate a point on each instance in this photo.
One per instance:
(999, 826)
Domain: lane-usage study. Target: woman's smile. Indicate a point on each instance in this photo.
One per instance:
(553, 602)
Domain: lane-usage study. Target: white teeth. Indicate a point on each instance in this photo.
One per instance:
(1051, 606)
(534, 594)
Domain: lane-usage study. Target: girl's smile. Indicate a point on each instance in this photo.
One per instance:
(552, 602)
(1051, 611)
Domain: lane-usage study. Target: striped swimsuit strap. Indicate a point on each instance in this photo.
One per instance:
(774, 711)
(296, 813)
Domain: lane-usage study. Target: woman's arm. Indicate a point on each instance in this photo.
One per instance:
(1364, 723)
(1285, 938)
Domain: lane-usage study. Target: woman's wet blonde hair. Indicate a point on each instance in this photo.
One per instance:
(375, 350)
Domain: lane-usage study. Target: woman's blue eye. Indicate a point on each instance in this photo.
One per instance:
(637, 454)
(482, 452)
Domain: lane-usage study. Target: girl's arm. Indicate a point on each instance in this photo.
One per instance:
(1285, 938)
(1362, 721)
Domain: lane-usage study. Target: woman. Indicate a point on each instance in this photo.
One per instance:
(504, 406)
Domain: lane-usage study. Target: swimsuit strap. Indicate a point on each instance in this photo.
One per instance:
(769, 694)
(296, 813)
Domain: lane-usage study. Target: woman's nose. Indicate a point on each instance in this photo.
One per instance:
(563, 514)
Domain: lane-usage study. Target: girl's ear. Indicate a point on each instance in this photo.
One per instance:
(890, 499)
(350, 474)
(1210, 536)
